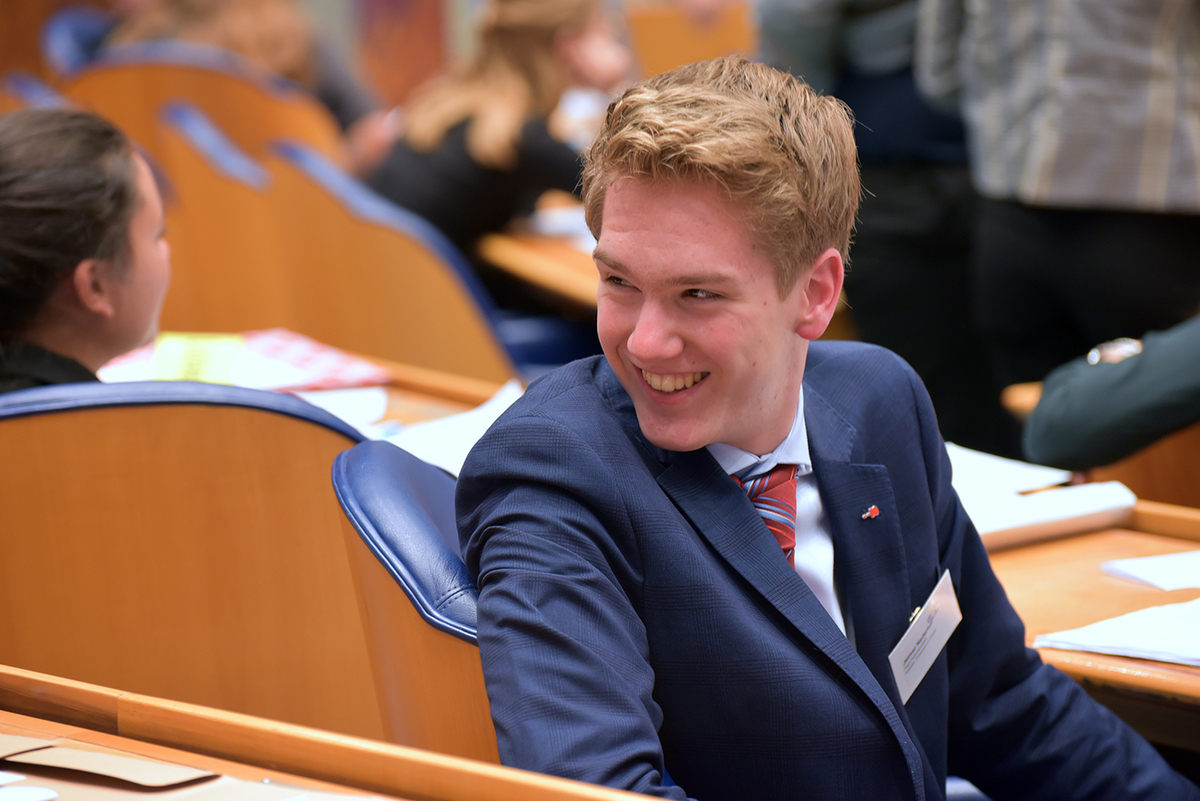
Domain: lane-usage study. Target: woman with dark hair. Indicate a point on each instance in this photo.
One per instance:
(83, 263)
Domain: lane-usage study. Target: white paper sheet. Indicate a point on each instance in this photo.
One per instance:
(564, 221)
(1169, 633)
(447, 441)
(997, 494)
(1169, 571)
(362, 407)
(27, 794)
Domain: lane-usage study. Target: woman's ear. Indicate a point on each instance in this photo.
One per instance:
(93, 281)
(821, 289)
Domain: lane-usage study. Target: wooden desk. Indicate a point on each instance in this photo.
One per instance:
(550, 263)
(417, 394)
(1058, 585)
(253, 748)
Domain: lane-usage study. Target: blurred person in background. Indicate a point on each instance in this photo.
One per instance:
(1083, 120)
(478, 147)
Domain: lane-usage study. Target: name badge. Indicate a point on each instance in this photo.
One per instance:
(927, 635)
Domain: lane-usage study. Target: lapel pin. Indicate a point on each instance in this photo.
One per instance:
(871, 513)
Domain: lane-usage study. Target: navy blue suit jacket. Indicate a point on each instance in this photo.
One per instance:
(635, 615)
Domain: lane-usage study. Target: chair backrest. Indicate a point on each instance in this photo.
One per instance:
(294, 242)
(228, 266)
(417, 599)
(132, 83)
(23, 90)
(73, 35)
(375, 278)
(180, 540)
(664, 36)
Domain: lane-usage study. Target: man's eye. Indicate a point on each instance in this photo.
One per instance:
(617, 281)
(701, 294)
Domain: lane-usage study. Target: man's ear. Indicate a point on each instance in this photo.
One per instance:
(822, 288)
(93, 281)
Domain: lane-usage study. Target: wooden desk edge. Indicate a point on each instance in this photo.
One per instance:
(465, 389)
(507, 252)
(341, 759)
(1167, 519)
(1159, 698)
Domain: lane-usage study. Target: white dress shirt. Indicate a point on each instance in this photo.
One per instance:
(814, 543)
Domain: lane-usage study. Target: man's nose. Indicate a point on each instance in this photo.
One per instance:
(655, 334)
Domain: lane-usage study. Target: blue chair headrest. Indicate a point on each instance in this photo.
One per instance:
(66, 397)
(403, 508)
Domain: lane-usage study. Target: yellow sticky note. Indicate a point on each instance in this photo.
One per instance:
(196, 357)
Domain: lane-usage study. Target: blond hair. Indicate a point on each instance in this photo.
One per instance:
(274, 34)
(784, 154)
(514, 76)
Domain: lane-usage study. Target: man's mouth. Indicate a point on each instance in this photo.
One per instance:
(672, 383)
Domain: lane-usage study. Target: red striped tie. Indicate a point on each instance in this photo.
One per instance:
(774, 496)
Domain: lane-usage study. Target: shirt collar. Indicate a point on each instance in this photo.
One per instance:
(793, 450)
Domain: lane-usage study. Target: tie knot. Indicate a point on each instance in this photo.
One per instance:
(774, 496)
(777, 476)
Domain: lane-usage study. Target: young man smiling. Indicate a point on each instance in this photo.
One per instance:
(646, 624)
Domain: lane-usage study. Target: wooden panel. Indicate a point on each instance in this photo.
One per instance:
(228, 269)
(430, 683)
(403, 44)
(21, 23)
(1167, 471)
(252, 111)
(665, 37)
(146, 725)
(369, 288)
(189, 552)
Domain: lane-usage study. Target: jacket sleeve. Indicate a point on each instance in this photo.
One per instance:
(1018, 728)
(1094, 414)
(565, 654)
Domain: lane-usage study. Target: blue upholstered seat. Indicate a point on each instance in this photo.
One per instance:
(403, 508)
(68, 397)
(416, 598)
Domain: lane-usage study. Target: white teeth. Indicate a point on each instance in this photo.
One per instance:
(672, 383)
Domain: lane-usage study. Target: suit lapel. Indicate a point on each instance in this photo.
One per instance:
(868, 553)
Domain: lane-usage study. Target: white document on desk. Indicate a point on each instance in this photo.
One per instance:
(1169, 633)
(1002, 499)
(1168, 571)
(447, 441)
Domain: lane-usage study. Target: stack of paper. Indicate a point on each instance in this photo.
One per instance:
(275, 359)
(1169, 633)
(1012, 502)
(446, 442)
(1168, 571)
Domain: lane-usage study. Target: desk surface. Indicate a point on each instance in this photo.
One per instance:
(25, 726)
(416, 394)
(253, 749)
(1058, 585)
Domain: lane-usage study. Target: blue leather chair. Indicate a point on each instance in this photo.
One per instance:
(417, 600)
(180, 540)
(31, 91)
(73, 36)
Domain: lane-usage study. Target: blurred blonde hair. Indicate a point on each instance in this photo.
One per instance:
(274, 34)
(514, 76)
(784, 154)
